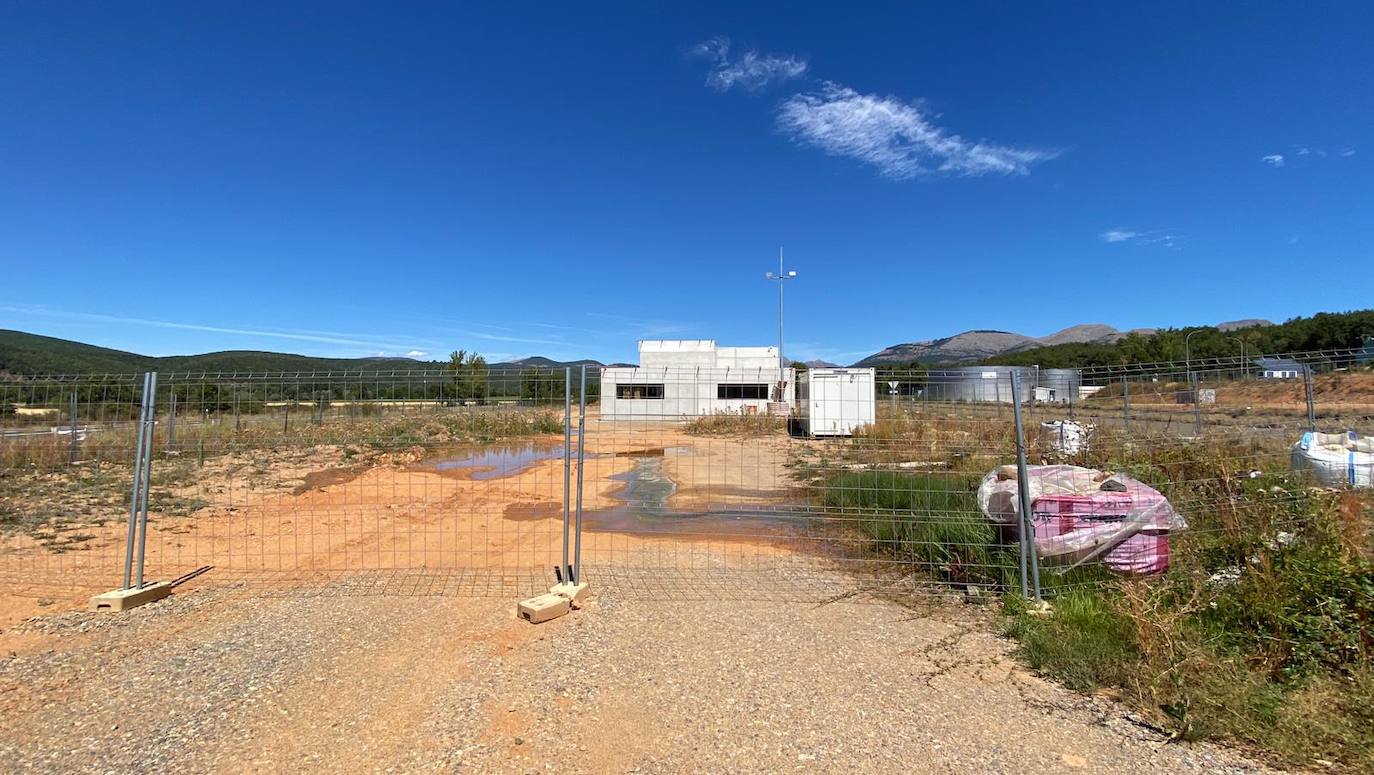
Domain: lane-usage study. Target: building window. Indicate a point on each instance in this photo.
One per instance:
(639, 391)
(750, 391)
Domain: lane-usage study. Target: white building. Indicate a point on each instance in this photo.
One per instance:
(680, 378)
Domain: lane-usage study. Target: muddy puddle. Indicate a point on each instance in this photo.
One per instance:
(642, 507)
(497, 461)
(643, 510)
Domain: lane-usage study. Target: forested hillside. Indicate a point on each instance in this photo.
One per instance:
(1323, 331)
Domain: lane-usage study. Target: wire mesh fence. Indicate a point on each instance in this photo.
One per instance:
(678, 478)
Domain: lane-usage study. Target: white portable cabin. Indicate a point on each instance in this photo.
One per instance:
(835, 402)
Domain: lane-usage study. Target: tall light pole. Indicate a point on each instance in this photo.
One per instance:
(1244, 366)
(1188, 353)
(781, 277)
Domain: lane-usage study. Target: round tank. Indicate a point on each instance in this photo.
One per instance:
(1063, 386)
(983, 384)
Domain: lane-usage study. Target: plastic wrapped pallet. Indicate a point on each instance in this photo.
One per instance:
(1082, 515)
(1336, 458)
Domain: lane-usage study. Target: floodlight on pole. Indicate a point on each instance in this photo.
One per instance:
(781, 277)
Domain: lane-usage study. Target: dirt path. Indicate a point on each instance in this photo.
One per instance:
(220, 679)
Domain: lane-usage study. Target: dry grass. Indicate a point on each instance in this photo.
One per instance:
(736, 424)
(42, 495)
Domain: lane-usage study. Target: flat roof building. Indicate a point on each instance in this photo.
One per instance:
(681, 378)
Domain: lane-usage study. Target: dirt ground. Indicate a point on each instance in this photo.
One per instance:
(318, 510)
(358, 615)
(232, 679)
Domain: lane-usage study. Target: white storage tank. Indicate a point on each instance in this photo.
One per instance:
(834, 402)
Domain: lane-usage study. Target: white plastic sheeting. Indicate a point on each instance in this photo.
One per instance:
(1336, 458)
(1082, 515)
(1065, 436)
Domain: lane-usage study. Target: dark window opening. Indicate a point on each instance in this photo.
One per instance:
(639, 391)
(753, 391)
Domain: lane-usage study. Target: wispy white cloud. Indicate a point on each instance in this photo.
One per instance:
(1164, 238)
(1303, 154)
(417, 354)
(750, 72)
(644, 329)
(356, 340)
(896, 137)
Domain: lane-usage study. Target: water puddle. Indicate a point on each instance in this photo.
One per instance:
(497, 461)
(643, 510)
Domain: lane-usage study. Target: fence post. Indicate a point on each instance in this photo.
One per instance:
(138, 492)
(147, 481)
(71, 446)
(237, 426)
(172, 420)
(567, 463)
(1197, 403)
(1311, 401)
(581, 457)
(1126, 402)
(1025, 530)
(136, 486)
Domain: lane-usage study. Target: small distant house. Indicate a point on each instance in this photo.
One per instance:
(1280, 368)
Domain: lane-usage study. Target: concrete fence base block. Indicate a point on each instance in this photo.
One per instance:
(576, 594)
(124, 599)
(542, 608)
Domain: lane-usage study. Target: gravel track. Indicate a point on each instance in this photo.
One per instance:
(226, 679)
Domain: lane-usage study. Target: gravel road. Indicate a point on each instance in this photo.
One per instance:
(224, 678)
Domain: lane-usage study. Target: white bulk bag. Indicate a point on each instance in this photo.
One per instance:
(1336, 458)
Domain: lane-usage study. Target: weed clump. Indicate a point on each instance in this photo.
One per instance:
(736, 424)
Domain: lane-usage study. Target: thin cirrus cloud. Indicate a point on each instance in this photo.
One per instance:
(896, 137)
(750, 72)
(1303, 154)
(319, 337)
(1119, 236)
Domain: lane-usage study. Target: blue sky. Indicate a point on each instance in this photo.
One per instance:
(344, 179)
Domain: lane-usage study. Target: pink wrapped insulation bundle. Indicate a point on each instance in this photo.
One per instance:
(1082, 515)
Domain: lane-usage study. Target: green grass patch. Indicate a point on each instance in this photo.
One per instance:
(1274, 656)
(929, 520)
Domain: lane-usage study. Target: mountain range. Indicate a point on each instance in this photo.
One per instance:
(980, 345)
(25, 353)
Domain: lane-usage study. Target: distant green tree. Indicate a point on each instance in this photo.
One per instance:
(543, 386)
(468, 373)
